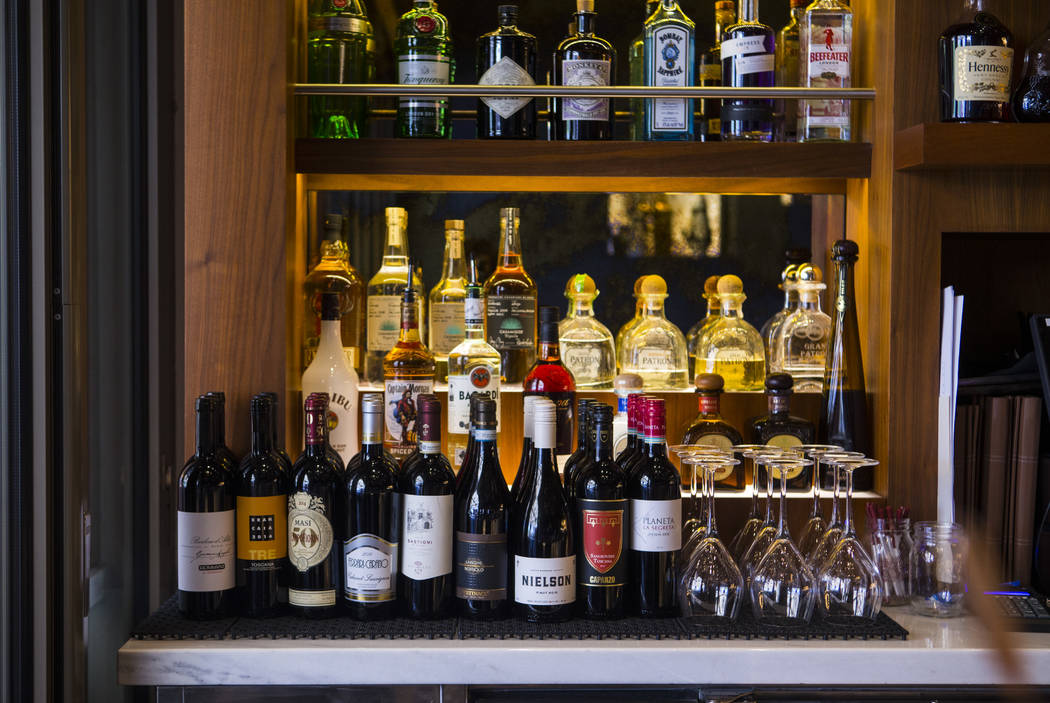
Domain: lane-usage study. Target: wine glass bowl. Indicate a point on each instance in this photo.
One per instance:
(816, 525)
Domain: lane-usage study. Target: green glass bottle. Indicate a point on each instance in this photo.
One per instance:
(424, 57)
(339, 49)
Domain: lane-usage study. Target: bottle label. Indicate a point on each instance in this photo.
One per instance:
(336, 23)
(506, 72)
(481, 566)
(648, 359)
(828, 66)
(400, 398)
(656, 525)
(670, 55)
(446, 327)
(384, 322)
(759, 63)
(423, 69)
(778, 403)
(786, 442)
(474, 312)
(585, 72)
(309, 531)
(342, 422)
(602, 524)
(539, 581)
(983, 73)
(709, 403)
(311, 599)
(511, 321)
(585, 362)
(710, 74)
(481, 379)
(426, 530)
(743, 46)
(262, 531)
(370, 574)
(206, 551)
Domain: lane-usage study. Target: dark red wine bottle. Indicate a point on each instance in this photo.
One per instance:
(629, 452)
(275, 440)
(641, 449)
(583, 450)
(219, 430)
(550, 379)
(521, 478)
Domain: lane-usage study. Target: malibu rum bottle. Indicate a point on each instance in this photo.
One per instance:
(339, 49)
(446, 300)
(781, 429)
(510, 304)
(424, 57)
(334, 274)
(669, 62)
(331, 373)
(709, 428)
(584, 59)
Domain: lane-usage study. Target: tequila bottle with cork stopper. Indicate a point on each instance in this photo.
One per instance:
(424, 57)
(656, 349)
(802, 341)
(669, 62)
(510, 303)
(709, 428)
(584, 59)
(748, 62)
(769, 331)
(709, 74)
(779, 428)
(825, 59)
(446, 300)
(587, 346)
(731, 347)
(334, 274)
(714, 311)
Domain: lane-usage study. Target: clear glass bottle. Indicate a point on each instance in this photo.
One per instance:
(584, 59)
(334, 274)
(424, 57)
(748, 62)
(731, 347)
(709, 75)
(636, 65)
(510, 303)
(825, 56)
(787, 53)
(714, 311)
(331, 373)
(384, 294)
(770, 330)
(621, 334)
(446, 300)
(656, 349)
(339, 49)
(802, 342)
(587, 346)
(976, 67)
(669, 51)
(1032, 97)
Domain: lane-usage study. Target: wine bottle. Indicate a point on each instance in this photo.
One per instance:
(506, 56)
(278, 448)
(630, 450)
(601, 517)
(219, 431)
(655, 491)
(549, 378)
(544, 549)
(582, 448)
(205, 504)
(373, 522)
(331, 373)
(481, 518)
(262, 517)
(521, 478)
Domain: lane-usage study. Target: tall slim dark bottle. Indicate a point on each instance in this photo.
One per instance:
(631, 450)
(205, 505)
(506, 56)
(275, 439)
(655, 491)
(525, 465)
(315, 519)
(219, 430)
(262, 517)
(543, 545)
(482, 518)
(373, 522)
(569, 470)
(584, 59)
(601, 524)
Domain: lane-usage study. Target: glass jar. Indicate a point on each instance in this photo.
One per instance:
(938, 568)
(891, 547)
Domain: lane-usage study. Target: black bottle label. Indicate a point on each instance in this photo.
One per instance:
(511, 321)
(481, 566)
(602, 539)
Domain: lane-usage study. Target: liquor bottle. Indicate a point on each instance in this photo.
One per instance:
(710, 428)
(731, 347)
(373, 522)
(262, 517)
(654, 488)
(1032, 97)
(844, 416)
(506, 56)
(275, 441)
(825, 55)
(206, 499)
(802, 341)
(636, 69)
(408, 373)
(339, 49)
(473, 367)
(779, 428)
(525, 466)
(426, 487)
(621, 334)
(549, 378)
(384, 294)
(583, 450)
(748, 62)
(482, 520)
(669, 61)
(632, 450)
(584, 59)
(656, 349)
(446, 300)
(424, 57)
(770, 330)
(787, 66)
(334, 274)
(219, 431)
(587, 345)
(601, 521)
(510, 304)
(315, 518)
(976, 67)
(709, 74)
(331, 373)
(625, 385)
(714, 311)
(543, 545)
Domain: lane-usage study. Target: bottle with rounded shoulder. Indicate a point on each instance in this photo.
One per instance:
(331, 373)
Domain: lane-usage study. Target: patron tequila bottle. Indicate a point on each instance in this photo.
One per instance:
(424, 57)
(587, 346)
(780, 429)
(710, 429)
(748, 62)
(669, 62)
(339, 49)
(731, 347)
(446, 300)
(714, 311)
(655, 349)
(826, 52)
(709, 75)
(334, 274)
(788, 42)
(771, 329)
(802, 342)
(976, 67)
(510, 304)
(621, 334)
(506, 56)
(584, 59)
(636, 64)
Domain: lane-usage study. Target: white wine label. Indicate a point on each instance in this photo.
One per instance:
(423, 69)
(446, 327)
(671, 60)
(506, 72)
(311, 599)
(370, 568)
(742, 46)
(656, 525)
(585, 73)
(759, 63)
(309, 531)
(426, 536)
(983, 73)
(400, 399)
(384, 322)
(206, 551)
(483, 380)
(545, 581)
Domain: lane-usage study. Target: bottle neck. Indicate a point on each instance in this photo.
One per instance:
(732, 307)
(653, 307)
(455, 267)
(809, 300)
(409, 323)
(316, 431)
(474, 315)
(372, 433)
(749, 11)
(779, 403)
(602, 442)
(582, 307)
(331, 342)
(655, 447)
(262, 432)
(790, 298)
(722, 20)
(844, 295)
(218, 426)
(205, 432)
(549, 351)
(395, 251)
(714, 309)
(585, 22)
(710, 405)
(509, 243)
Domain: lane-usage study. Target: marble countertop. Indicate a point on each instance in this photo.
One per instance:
(953, 652)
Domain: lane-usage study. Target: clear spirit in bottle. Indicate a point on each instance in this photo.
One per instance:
(510, 304)
(802, 342)
(339, 49)
(748, 62)
(710, 429)
(709, 75)
(636, 66)
(656, 349)
(584, 59)
(587, 346)
(621, 334)
(976, 67)
(334, 274)
(826, 53)
(506, 56)
(731, 347)
(770, 330)
(446, 300)
(669, 61)
(714, 311)
(424, 57)
(330, 372)
(788, 43)
(780, 429)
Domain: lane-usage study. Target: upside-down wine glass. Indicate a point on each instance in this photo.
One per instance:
(816, 525)
(706, 488)
(833, 533)
(768, 533)
(694, 520)
(746, 535)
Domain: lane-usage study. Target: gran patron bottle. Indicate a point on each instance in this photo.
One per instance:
(636, 66)
(779, 428)
(770, 330)
(825, 56)
(584, 59)
(424, 57)
(446, 300)
(731, 347)
(696, 332)
(339, 49)
(621, 333)
(748, 62)
(331, 373)
(334, 274)
(656, 349)
(1032, 97)
(506, 56)
(976, 67)
(802, 341)
(510, 304)
(709, 74)
(587, 346)
(549, 378)
(787, 53)
(669, 62)
(710, 429)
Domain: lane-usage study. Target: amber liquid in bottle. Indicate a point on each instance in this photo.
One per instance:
(708, 428)
(510, 304)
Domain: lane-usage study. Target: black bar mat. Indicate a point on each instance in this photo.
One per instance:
(167, 624)
(747, 627)
(626, 629)
(339, 628)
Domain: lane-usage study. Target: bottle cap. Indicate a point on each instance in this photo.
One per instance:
(789, 275)
(333, 225)
(218, 396)
(581, 286)
(779, 383)
(601, 414)
(529, 413)
(808, 273)
(654, 285)
(730, 285)
(725, 5)
(205, 403)
(638, 285)
(711, 287)
(585, 5)
(396, 216)
(260, 403)
(507, 13)
(456, 225)
(509, 214)
(710, 383)
(628, 382)
(486, 412)
(429, 418)
(845, 251)
(544, 419)
(408, 294)
(655, 422)
(549, 323)
(316, 401)
(583, 405)
(634, 403)
(372, 403)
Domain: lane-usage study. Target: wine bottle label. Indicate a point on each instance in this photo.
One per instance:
(506, 71)
(324, 598)
(309, 531)
(423, 69)
(370, 569)
(401, 431)
(206, 551)
(983, 73)
(511, 321)
(446, 327)
(481, 566)
(602, 524)
(262, 532)
(384, 322)
(483, 380)
(669, 51)
(656, 525)
(426, 536)
(539, 581)
(585, 72)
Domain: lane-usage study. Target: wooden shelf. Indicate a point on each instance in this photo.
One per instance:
(941, 145)
(582, 167)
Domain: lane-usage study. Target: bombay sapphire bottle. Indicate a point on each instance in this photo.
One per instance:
(748, 62)
(669, 42)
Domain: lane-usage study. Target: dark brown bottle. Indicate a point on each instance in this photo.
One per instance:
(781, 429)
(584, 453)
(710, 429)
(506, 56)
(584, 59)
(976, 67)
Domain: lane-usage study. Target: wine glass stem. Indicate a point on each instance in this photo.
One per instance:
(816, 486)
(782, 521)
(835, 493)
(694, 505)
(709, 478)
(754, 489)
(848, 521)
(769, 494)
